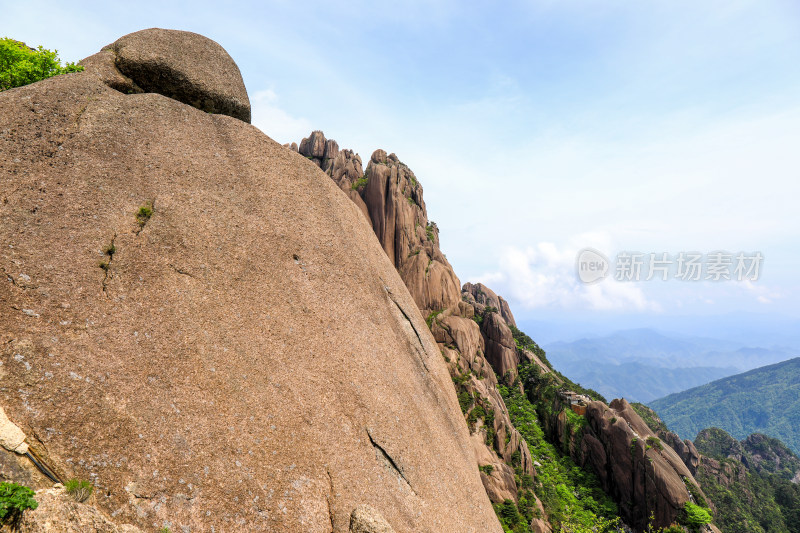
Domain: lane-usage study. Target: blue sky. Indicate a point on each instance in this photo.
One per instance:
(536, 128)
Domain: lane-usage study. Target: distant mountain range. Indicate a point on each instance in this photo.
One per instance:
(765, 400)
(644, 364)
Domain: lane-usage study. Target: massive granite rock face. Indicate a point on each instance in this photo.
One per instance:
(394, 199)
(195, 319)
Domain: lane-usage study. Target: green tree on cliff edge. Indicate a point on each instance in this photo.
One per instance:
(21, 65)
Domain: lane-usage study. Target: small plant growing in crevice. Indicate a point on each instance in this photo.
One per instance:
(429, 231)
(143, 215)
(486, 469)
(432, 316)
(360, 182)
(105, 264)
(78, 489)
(14, 500)
(109, 252)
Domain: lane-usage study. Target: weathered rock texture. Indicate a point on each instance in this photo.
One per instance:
(684, 448)
(495, 440)
(365, 519)
(390, 197)
(481, 296)
(501, 351)
(245, 357)
(181, 65)
(343, 166)
(645, 476)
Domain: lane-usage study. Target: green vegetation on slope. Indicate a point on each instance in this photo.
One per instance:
(751, 495)
(524, 342)
(20, 65)
(765, 400)
(650, 418)
(572, 497)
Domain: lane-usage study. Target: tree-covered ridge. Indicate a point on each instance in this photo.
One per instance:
(21, 65)
(765, 400)
(749, 482)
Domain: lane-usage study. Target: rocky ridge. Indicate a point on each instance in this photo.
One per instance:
(649, 480)
(390, 196)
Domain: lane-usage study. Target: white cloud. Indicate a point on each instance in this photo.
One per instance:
(543, 276)
(763, 294)
(274, 121)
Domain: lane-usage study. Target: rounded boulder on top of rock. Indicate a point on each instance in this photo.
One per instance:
(184, 66)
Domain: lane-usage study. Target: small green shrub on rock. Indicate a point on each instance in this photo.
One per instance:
(694, 516)
(144, 213)
(360, 182)
(14, 500)
(79, 490)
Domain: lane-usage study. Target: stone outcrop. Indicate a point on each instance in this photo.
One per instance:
(180, 65)
(726, 473)
(482, 296)
(771, 455)
(12, 438)
(645, 477)
(757, 452)
(343, 166)
(397, 211)
(365, 519)
(390, 196)
(198, 321)
(685, 449)
(495, 440)
(501, 351)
